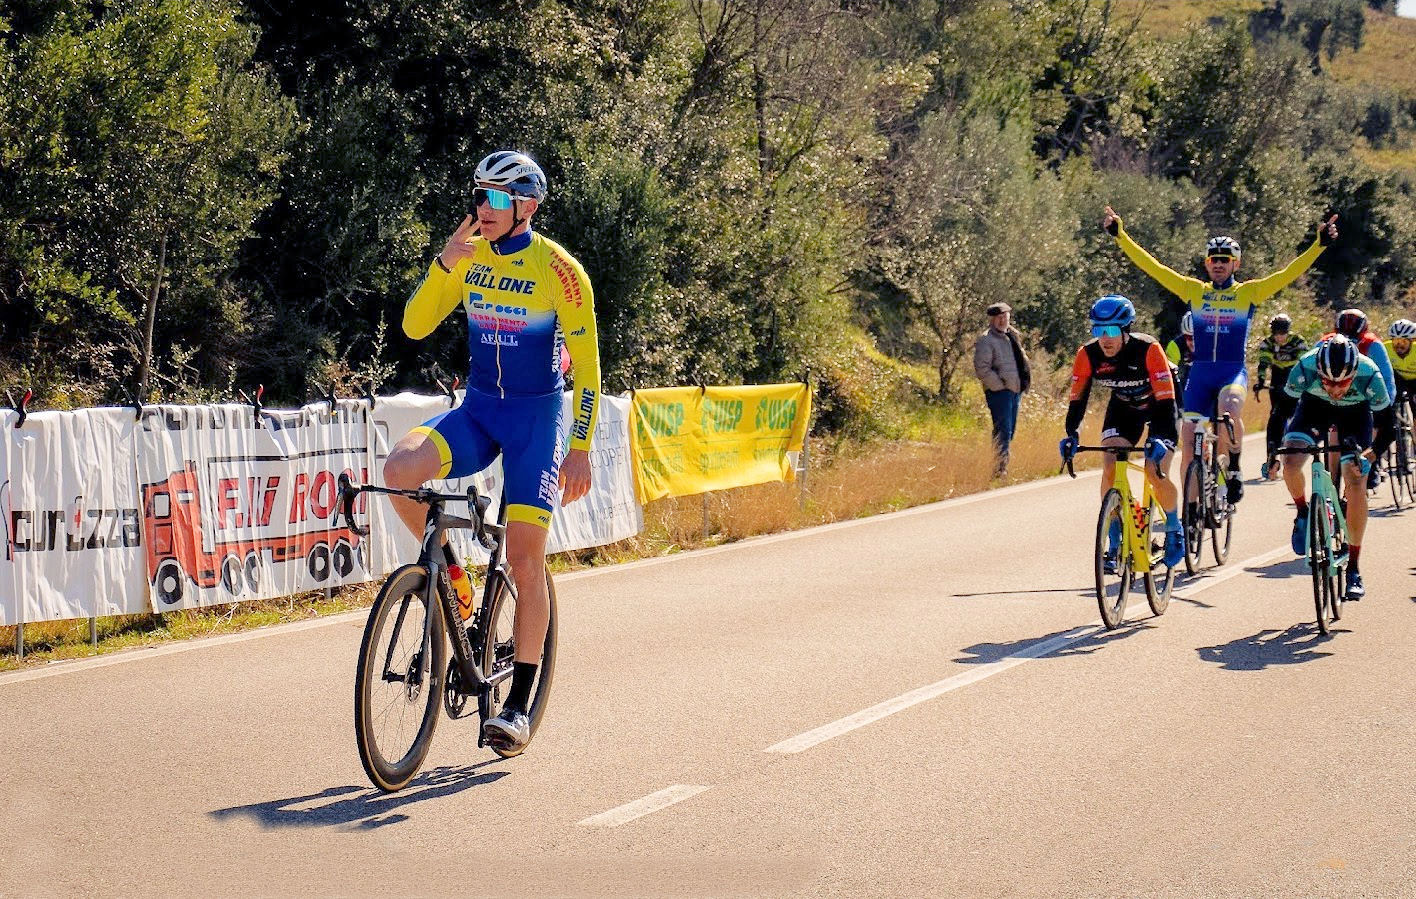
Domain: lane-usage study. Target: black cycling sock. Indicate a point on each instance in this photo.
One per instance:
(1234, 459)
(1302, 505)
(1354, 551)
(523, 675)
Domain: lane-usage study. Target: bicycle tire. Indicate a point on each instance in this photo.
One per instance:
(1319, 560)
(1113, 610)
(405, 589)
(1193, 514)
(1160, 579)
(497, 654)
(1219, 545)
(1337, 582)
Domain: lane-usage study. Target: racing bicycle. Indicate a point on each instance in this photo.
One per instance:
(1206, 504)
(1141, 552)
(1401, 455)
(1327, 537)
(404, 674)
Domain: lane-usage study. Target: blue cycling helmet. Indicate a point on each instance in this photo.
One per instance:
(516, 172)
(1112, 309)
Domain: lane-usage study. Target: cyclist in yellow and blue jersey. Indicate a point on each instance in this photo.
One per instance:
(1181, 351)
(1402, 355)
(1223, 309)
(526, 300)
(1278, 352)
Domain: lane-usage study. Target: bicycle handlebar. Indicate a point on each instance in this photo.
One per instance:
(474, 498)
(1113, 450)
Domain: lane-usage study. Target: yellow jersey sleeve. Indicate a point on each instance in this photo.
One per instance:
(1260, 289)
(439, 293)
(575, 313)
(1187, 289)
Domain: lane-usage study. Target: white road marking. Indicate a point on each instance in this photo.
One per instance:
(641, 807)
(860, 719)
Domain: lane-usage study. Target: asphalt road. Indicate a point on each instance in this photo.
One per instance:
(917, 704)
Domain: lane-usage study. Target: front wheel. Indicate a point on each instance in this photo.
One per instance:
(1112, 590)
(1160, 579)
(497, 654)
(1320, 561)
(1223, 533)
(1192, 503)
(399, 684)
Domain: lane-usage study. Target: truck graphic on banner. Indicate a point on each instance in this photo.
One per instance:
(228, 522)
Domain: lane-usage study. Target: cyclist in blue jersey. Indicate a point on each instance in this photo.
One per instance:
(1223, 309)
(526, 301)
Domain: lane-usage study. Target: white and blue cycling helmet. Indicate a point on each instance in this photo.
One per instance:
(515, 172)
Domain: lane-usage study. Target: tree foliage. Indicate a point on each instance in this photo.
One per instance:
(754, 186)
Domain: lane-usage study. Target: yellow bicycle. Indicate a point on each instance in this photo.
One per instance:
(1141, 549)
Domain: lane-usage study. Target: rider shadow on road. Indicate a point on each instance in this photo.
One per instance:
(1294, 567)
(1082, 645)
(1299, 643)
(360, 808)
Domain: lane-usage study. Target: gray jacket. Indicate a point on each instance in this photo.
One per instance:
(994, 363)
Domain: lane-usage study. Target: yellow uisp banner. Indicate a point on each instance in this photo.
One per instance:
(690, 440)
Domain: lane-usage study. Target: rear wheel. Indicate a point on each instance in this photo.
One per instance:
(497, 654)
(1112, 590)
(1193, 515)
(1161, 578)
(399, 684)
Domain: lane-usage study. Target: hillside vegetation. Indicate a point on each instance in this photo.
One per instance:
(203, 195)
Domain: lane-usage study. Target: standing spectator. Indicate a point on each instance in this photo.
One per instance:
(1002, 366)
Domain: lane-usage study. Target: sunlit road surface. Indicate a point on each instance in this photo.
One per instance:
(919, 704)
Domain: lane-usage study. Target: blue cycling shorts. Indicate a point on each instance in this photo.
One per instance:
(525, 430)
(1207, 381)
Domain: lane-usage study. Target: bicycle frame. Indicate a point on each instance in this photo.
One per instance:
(1135, 542)
(1326, 488)
(435, 556)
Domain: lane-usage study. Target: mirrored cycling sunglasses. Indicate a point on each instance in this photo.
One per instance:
(1106, 330)
(1220, 257)
(497, 199)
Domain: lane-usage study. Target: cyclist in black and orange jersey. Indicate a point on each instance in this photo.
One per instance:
(526, 301)
(1142, 394)
(1224, 308)
(1278, 352)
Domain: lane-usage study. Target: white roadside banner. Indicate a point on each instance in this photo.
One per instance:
(73, 534)
(108, 513)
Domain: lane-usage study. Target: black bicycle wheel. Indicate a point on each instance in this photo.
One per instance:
(1393, 473)
(1337, 582)
(397, 690)
(1222, 535)
(498, 653)
(1319, 559)
(1112, 590)
(1160, 579)
(1192, 503)
(1401, 452)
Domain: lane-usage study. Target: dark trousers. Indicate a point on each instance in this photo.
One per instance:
(1281, 407)
(1003, 406)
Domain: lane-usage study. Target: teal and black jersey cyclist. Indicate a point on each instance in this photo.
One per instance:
(526, 301)
(1223, 309)
(1339, 388)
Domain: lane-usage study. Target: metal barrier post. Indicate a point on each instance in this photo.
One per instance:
(93, 632)
(20, 640)
(805, 468)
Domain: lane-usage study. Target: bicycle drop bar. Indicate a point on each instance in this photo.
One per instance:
(348, 491)
(1119, 451)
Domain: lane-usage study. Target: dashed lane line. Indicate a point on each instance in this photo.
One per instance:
(640, 807)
